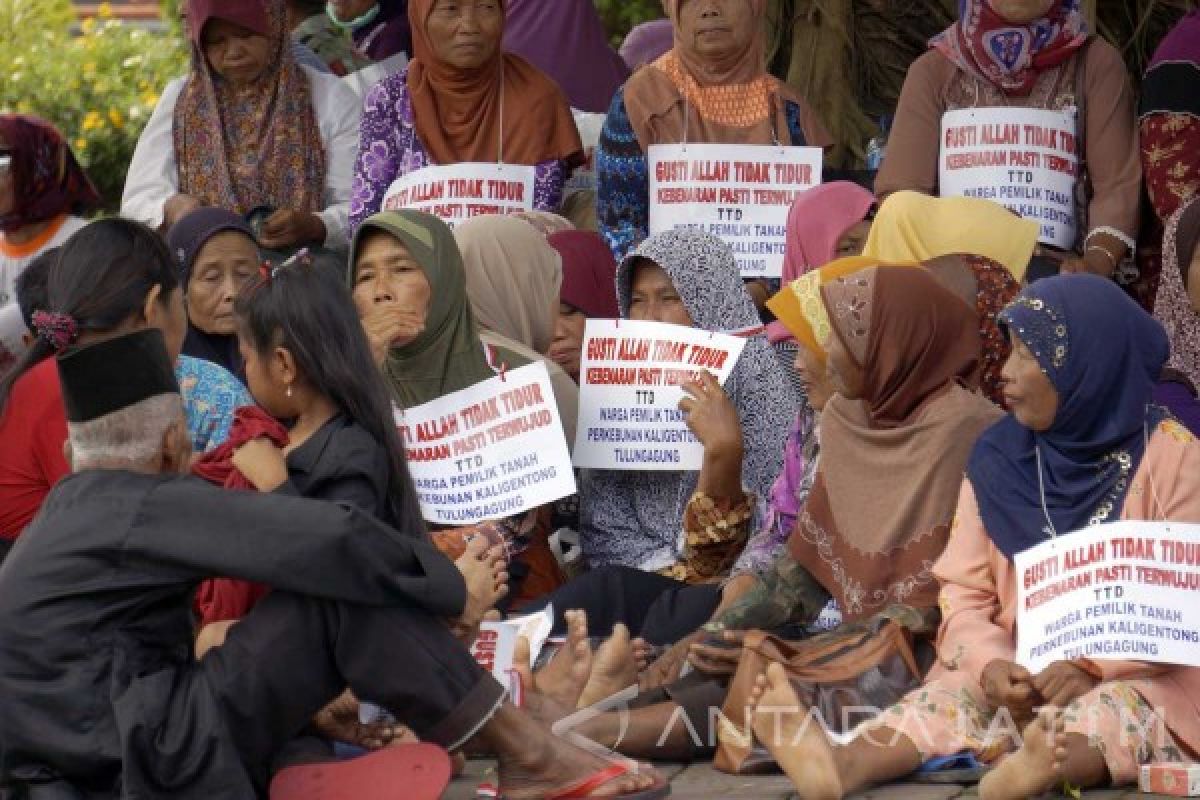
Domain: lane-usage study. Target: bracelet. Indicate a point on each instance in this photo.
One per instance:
(1115, 261)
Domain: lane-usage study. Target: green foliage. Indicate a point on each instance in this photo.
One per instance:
(620, 16)
(98, 84)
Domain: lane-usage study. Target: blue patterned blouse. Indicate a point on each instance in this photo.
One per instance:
(211, 394)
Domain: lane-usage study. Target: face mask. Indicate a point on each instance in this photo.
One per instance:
(354, 24)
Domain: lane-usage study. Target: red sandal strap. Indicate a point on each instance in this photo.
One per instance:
(590, 784)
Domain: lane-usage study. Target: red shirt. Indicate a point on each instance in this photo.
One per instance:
(33, 429)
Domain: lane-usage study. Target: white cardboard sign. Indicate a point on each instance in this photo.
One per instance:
(489, 451)
(1023, 158)
(630, 376)
(456, 192)
(739, 193)
(1125, 591)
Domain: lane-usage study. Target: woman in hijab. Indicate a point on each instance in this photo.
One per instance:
(712, 87)
(1177, 307)
(513, 279)
(463, 99)
(1034, 54)
(406, 274)
(250, 131)
(634, 519)
(43, 190)
(217, 257)
(1169, 122)
(1058, 463)
(588, 292)
(566, 40)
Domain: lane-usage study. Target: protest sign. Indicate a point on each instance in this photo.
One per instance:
(1023, 158)
(489, 451)
(629, 391)
(1125, 591)
(739, 193)
(456, 192)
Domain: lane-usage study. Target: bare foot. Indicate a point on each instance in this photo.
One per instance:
(794, 736)
(483, 568)
(562, 681)
(1036, 768)
(645, 653)
(613, 668)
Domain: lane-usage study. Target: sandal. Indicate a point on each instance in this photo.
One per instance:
(400, 772)
(583, 789)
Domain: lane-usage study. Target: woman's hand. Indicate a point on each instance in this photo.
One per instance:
(262, 463)
(178, 207)
(712, 416)
(1007, 685)
(286, 229)
(1062, 683)
(388, 325)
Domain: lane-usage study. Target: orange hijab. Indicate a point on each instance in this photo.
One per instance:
(505, 110)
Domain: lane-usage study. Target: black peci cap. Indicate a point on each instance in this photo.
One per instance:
(114, 374)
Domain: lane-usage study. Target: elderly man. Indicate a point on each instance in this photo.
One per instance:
(99, 695)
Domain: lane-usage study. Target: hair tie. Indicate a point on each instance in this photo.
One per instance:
(58, 329)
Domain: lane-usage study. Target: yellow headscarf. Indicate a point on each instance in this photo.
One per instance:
(911, 226)
(798, 304)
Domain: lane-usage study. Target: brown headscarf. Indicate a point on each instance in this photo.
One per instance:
(735, 101)
(461, 114)
(892, 461)
(257, 146)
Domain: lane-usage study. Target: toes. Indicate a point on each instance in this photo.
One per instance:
(620, 634)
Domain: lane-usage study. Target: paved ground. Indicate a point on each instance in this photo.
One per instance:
(701, 782)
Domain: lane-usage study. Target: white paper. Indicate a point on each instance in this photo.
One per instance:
(489, 451)
(1023, 158)
(629, 391)
(1125, 591)
(362, 80)
(456, 192)
(497, 641)
(739, 193)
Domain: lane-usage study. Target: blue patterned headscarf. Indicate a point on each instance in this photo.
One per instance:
(1103, 354)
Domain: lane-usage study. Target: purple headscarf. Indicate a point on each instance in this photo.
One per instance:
(387, 34)
(647, 42)
(1182, 43)
(566, 40)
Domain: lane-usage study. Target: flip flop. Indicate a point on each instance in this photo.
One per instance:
(584, 788)
(401, 772)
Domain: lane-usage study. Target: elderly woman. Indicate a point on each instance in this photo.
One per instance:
(463, 99)
(42, 191)
(216, 256)
(410, 288)
(1058, 463)
(250, 131)
(1177, 307)
(713, 87)
(1047, 62)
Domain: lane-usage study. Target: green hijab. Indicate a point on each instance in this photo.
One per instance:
(448, 355)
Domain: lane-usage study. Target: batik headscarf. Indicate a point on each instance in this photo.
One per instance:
(504, 110)
(1103, 354)
(1173, 306)
(448, 354)
(685, 97)
(255, 146)
(589, 273)
(1008, 56)
(911, 226)
(1169, 117)
(635, 518)
(513, 278)
(892, 460)
(47, 181)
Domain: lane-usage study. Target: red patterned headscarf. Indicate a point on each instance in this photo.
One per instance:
(984, 44)
(46, 179)
(257, 146)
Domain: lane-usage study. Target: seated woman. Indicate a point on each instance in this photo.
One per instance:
(463, 99)
(1075, 338)
(406, 275)
(1177, 307)
(217, 257)
(513, 279)
(1050, 62)
(713, 87)
(249, 131)
(633, 519)
(589, 291)
(114, 276)
(43, 190)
